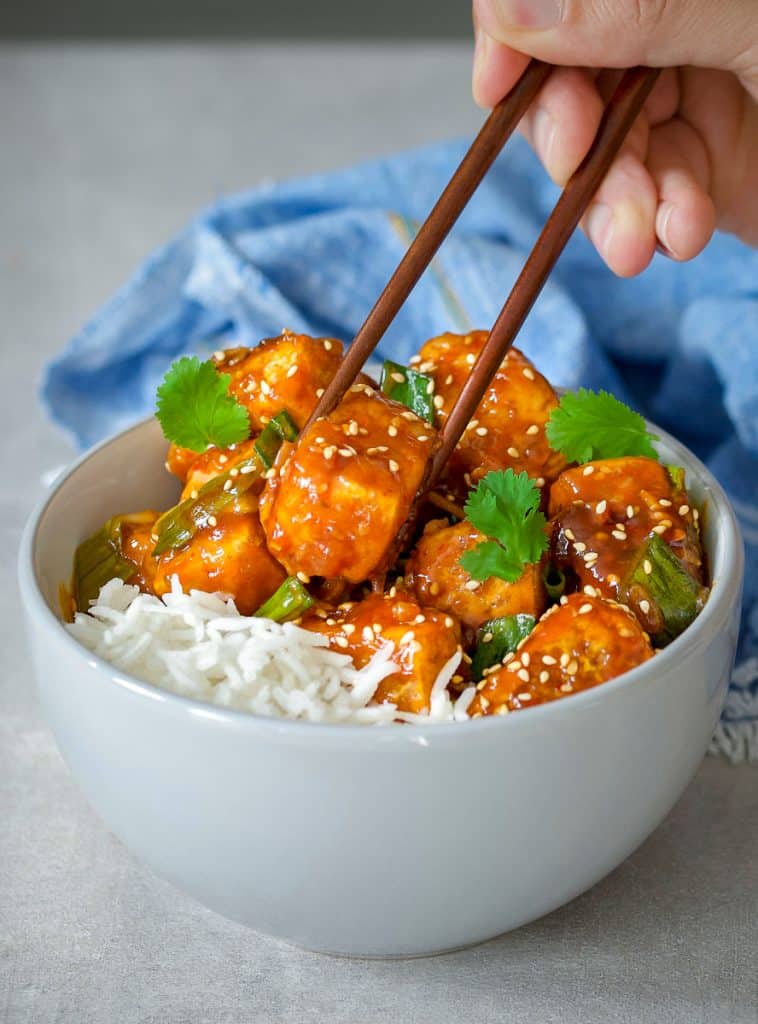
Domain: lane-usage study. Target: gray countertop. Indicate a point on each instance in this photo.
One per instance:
(104, 152)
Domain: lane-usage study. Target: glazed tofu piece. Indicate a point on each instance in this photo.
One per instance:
(336, 500)
(288, 372)
(508, 427)
(605, 514)
(424, 641)
(577, 644)
(228, 555)
(440, 581)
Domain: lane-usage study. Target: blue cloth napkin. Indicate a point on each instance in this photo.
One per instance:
(680, 342)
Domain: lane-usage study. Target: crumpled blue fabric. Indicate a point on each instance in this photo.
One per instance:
(680, 342)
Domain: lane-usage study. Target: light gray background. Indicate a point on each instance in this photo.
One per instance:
(105, 152)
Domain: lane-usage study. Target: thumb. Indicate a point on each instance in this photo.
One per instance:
(594, 33)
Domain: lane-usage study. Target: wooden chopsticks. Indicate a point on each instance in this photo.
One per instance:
(620, 113)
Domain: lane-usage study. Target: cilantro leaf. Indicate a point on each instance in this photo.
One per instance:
(505, 507)
(195, 408)
(589, 425)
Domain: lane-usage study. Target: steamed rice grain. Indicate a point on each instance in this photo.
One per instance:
(198, 645)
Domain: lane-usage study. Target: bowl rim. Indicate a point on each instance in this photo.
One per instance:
(725, 590)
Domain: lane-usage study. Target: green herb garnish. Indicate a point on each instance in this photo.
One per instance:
(195, 408)
(589, 425)
(505, 507)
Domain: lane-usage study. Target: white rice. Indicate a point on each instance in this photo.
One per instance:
(199, 646)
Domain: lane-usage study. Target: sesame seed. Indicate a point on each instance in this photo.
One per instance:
(484, 703)
(303, 577)
(544, 676)
(399, 378)
(548, 659)
(647, 567)
(664, 502)
(585, 609)
(348, 628)
(529, 374)
(449, 622)
(601, 507)
(438, 401)
(244, 471)
(564, 599)
(422, 437)
(523, 675)
(588, 471)
(426, 366)
(564, 660)
(367, 634)
(292, 370)
(534, 429)
(265, 387)
(566, 687)
(212, 521)
(320, 440)
(430, 388)
(569, 533)
(408, 637)
(667, 523)
(233, 472)
(524, 696)
(659, 529)
(193, 494)
(377, 627)
(341, 641)
(419, 619)
(409, 415)
(525, 659)
(619, 535)
(683, 510)
(630, 511)
(573, 667)
(644, 607)
(481, 431)
(329, 451)
(590, 591)
(353, 428)
(414, 360)
(218, 355)
(514, 453)
(348, 453)
(470, 358)
(514, 666)
(509, 657)
(228, 485)
(487, 638)
(319, 392)
(394, 466)
(590, 558)
(393, 592)
(327, 345)
(540, 481)
(331, 622)
(695, 514)
(392, 430)
(580, 546)
(449, 379)
(473, 585)
(223, 459)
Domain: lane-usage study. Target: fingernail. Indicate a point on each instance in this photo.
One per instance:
(662, 220)
(598, 225)
(529, 13)
(544, 133)
(481, 49)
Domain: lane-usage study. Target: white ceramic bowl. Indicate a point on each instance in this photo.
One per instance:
(379, 841)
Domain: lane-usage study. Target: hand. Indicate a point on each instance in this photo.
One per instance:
(690, 163)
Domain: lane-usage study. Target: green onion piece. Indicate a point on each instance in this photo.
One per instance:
(674, 597)
(676, 473)
(504, 635)
(179, 525)
(279, 428)
(99, 559)
(555, 582)
(409, 387)
(288, 602)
